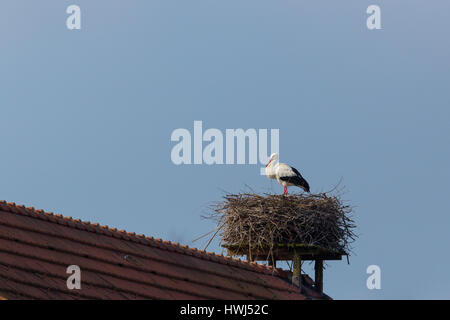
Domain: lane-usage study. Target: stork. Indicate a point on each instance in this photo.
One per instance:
(285, 174)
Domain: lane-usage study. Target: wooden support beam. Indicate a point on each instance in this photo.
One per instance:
(318, 279)
(272, 262)
(297, 272)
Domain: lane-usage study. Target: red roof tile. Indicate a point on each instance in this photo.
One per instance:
(36, 247)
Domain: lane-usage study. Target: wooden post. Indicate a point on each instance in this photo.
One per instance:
(250, 257)
(297, 274)
(318, 279)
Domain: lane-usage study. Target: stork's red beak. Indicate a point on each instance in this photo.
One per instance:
(268, 162)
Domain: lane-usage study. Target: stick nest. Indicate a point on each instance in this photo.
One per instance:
(262, 221)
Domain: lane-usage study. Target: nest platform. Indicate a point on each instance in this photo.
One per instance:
(296, 227)
(284, 252)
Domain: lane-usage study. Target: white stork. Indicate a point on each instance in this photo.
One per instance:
(286, 175)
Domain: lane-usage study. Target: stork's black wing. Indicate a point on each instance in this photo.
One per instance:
(297, 180)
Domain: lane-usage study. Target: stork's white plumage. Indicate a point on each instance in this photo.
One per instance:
(285, 174)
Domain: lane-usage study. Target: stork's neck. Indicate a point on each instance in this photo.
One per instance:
(270, 169)
(274, 163)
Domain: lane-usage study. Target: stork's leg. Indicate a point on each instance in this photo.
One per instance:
(285, 191)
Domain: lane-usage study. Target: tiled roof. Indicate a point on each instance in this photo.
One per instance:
(36, 247)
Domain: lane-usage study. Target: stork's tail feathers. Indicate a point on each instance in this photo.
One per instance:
(299, 181)
(304, 184)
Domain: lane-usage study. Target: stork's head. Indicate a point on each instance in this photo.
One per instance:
(273, 158)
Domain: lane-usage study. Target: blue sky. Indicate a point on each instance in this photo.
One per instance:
(87, 115)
